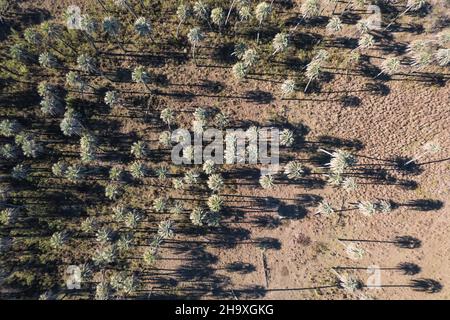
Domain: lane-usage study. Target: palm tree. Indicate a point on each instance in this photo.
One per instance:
(112, 191)
(139, 149)
(178, 183)
(215, 182)
(162, 172)
(215, 203)
(325, 208)
(294, 170)
(195, 36)
(70, 124)
(177, 208)
(32, 36)
(197, 216)
(367, 208)
(111, 27)
(348, 283)
(149, 257)
(104, 235)
(192, 177)
(20, 172)
(119, 213)
(132, 219)
(167, 116)
(125, 242)
(443, 57)
(240, 70)
(143, 28)
(334, 25)
(335, 179)
(267, 181)
(389, 66)
(9, 128)
(363, 26)
(51, 106)
(183, 13)
(310, 9)
(201, 11)
(74, 173)
(58, 240)
(160, 204)
(287, 138)
(140, 75)
(9, 151)
(288, 88)
(19, 52)
(245, 13)
(87, 64)
(48, 60)
(313, 70)
(349, 184)
(262, 12)
(239, 49)
(59, 169)
(366, 42)
(52, 31)
(125, 285)
(218, 17)
(280, 42)
(249, 57)
(340, 160)
(90, 26)
(384, 206)
(209, 167)
(138, 170)
(421, 53)
(111, 98)
(89, 225)
(88, 147)
(165, 138)
(105, 255)
(9, 216)
(31, 148)
(221, 120)
(165, 229)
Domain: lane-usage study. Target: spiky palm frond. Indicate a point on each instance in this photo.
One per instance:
(138, 170)
(367, 208)
(165, 229)
(334, 25)
(294, 170)
(325, 208)
(215, 182)
(139, 149)
(218, 16)
(280, 42)
(267, 181)
(160, 204)
(113, 191)
(215, 203)
(197, 216)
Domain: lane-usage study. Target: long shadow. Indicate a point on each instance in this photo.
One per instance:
(404, 242)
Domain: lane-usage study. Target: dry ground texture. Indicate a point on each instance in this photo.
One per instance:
(272, 243)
